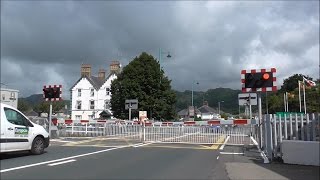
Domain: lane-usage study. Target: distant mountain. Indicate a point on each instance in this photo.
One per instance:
(36, 99)
(33, 99)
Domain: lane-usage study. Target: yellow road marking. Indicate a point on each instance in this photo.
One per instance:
(220, 141)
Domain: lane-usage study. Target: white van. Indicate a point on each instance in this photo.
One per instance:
(19, 133)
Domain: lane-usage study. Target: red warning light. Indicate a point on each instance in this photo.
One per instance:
(266, 76)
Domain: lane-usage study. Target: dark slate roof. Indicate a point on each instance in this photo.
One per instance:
(32, 113)
(207, 109)
(103, 113)
(184, 112)
(95, 81)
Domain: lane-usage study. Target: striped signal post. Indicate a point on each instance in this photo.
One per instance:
(259, 80)
(52, 93)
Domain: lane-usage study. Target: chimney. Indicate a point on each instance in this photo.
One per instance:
(115, 67)
(102, 74)
(86, 70)
(205, 103)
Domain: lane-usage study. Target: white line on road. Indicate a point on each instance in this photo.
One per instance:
(62, 159)
(63, 162)
(225, 142)
(265, 159)
(218, 157)
(230, 153)
(139, 145)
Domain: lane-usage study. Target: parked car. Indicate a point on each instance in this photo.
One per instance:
(19, 133)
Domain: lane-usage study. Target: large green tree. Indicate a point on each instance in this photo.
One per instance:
(291, 83)
(142, 79)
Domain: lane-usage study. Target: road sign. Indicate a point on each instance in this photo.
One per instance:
(131, 104)
(288, 113)
(244, 99)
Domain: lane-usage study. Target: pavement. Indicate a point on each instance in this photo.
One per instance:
(112, 158)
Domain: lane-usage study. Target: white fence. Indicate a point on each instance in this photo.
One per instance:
(229, 134)
(275, 129)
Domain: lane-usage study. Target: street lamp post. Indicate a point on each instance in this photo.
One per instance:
(219, 105)
(160, 59)
(192, 92)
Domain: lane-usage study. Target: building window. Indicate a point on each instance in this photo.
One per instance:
(91, 104)
(78, 106)
(107, 104)
(91, 92)
(79, 92)
(13, 95)
(3, 97)
(91, 117)
(78, 117)
(107, 91)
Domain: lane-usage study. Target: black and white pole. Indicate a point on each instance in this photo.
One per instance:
(50, 118)
(130, 112)
(260, 118)
(250, 110)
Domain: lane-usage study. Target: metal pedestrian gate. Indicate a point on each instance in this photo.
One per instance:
(224, 134)
(229, 134)
(275, 129)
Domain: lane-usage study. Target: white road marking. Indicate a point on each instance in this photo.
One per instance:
(263, 155)
(140, 145)
(63, 162)
(225, 142)
(62, 159)
(218, 157)
(230, 153)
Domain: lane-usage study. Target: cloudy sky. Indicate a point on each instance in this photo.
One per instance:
(45, 42)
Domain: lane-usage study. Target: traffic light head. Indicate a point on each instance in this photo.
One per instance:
(258, 80)
(51, 92)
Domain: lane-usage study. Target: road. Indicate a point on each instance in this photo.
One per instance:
(118, 159)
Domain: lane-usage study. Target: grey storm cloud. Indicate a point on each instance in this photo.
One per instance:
(45, 42)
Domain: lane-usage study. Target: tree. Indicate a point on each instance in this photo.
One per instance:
(23, 105)
(291, 83)
(142, 79)
(44, 106)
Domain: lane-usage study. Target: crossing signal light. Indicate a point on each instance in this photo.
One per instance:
(258, 80)
(51, 92)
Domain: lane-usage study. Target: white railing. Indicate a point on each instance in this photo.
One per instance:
(303, 127)
(238, 135)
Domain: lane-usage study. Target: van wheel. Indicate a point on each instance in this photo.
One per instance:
(37, 146)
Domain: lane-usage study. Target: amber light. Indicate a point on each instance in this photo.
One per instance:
(266, 76)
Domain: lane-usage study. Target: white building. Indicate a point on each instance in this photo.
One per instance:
(9, 96)
(91, 95)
